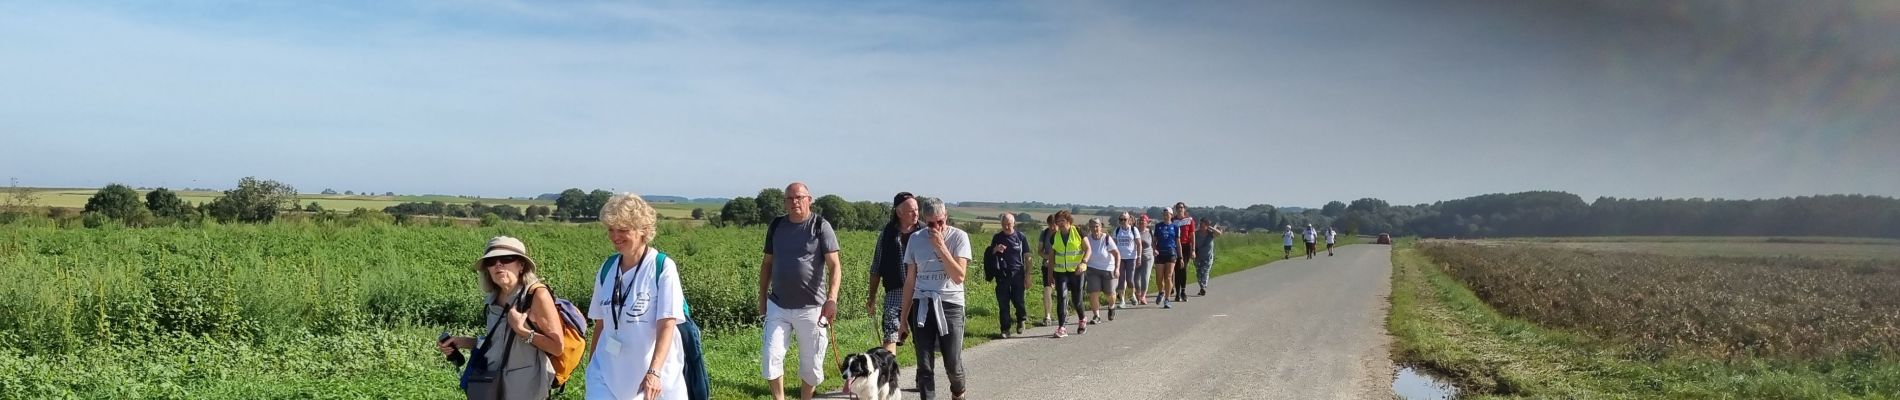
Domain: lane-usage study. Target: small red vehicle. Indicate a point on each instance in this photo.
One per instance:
(1385, 238)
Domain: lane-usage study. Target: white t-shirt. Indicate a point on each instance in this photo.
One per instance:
(616, 373)
(1309, 235)
(1289, 237)
(1330, 235)
(931, 276)
(1125, 240)
(1099, 258)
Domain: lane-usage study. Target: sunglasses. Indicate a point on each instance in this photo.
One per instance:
(935, 224)
(493, 261)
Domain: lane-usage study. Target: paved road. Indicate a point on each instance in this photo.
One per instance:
(1298, 329)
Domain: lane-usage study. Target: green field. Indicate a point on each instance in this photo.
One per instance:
(319, 311)
(76, 198)
(1627, 318)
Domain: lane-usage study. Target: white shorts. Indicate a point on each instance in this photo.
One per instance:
(780, 326)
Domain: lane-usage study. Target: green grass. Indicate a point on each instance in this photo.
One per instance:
(320, 311)
(1440, 324)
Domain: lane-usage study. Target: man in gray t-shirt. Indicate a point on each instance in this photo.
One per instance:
(797, 298)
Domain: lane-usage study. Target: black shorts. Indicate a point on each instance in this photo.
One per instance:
(1329, 245)
(1164, 258)
(1045, 275)
(1289, 247)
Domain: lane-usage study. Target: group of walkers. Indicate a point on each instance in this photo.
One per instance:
(1109, 266)
(1310, 235)
(645, 345)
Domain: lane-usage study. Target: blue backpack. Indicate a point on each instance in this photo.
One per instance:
(698, 381)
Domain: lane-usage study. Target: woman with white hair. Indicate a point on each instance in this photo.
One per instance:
(639, 310)
(511, 360)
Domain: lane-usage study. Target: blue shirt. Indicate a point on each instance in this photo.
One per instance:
(1167, 239)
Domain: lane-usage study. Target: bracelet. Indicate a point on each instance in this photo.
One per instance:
(530, 339)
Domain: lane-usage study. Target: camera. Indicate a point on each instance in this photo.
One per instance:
(455, 357)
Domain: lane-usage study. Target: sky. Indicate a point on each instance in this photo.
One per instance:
(1291, 103)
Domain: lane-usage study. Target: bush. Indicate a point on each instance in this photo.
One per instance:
(115, 201)
(490, 219)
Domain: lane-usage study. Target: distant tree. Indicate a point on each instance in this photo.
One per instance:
(569, 203)
(597, 200)
(477, 208)
(253, 200)
(1022, 217)
(506, 211)
(974, 228)
(740, 211)
(389, 194)
(1369, 205)
(115, 201)
(699, 213)
(872, 215)
(313, 207)
(1333, 209)
(770, 204)
(165, 204)
(329, 191)
(349, 193)
(837, 211)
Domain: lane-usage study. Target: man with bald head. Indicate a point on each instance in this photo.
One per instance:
(1004, 261)
(796, 296)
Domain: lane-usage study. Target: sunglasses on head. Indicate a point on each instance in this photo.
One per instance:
(493, 261)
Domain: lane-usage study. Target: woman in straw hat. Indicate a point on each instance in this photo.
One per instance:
(513, 359)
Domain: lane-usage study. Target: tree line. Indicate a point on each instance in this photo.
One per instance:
(1535, 213)
(770, 203)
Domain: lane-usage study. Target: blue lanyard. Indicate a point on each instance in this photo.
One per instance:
(621, 289)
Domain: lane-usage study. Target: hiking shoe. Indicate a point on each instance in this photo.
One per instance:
(1061, 333)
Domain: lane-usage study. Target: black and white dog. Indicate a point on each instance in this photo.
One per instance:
(871, 375)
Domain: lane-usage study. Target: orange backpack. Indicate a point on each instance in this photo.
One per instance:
(573, 340)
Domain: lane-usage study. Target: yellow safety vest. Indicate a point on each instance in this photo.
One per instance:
(1068, 253)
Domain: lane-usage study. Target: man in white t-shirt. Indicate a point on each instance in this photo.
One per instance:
(1310, 237)
(1331, 237)
(938, 258)
(1288, 250)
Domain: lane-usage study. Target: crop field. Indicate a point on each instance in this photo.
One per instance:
(320, 311)
(1623, 317)
(1834, 248)
(76, 198)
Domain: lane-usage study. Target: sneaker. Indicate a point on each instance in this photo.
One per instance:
(1111, 314)
(1097, 320)
(1046, 322)
(1164, 305)
(1019, 330)
(1004, 335)
(1081, 328)
(1061, 333)
(1203, 292)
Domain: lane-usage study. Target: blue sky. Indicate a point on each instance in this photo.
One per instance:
(1290, 103)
